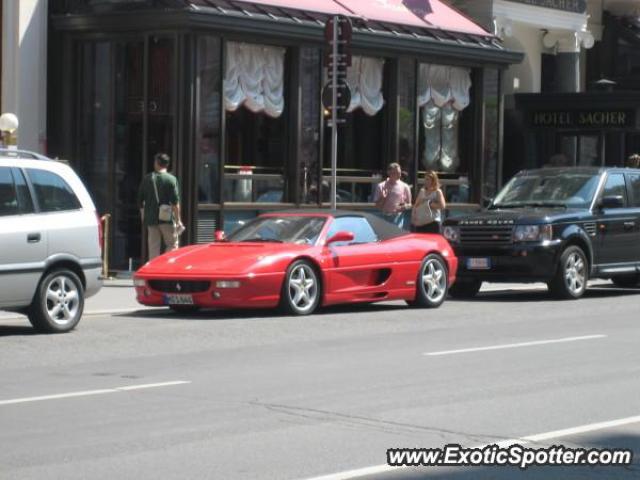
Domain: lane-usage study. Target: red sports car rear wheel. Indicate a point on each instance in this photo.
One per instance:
(301, 289)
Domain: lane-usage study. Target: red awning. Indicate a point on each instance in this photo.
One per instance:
(416, 13)
(320, 6)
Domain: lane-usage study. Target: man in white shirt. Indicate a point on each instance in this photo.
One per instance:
(393, 196)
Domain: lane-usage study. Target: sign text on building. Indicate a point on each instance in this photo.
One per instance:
(584, 119)
(575, 6)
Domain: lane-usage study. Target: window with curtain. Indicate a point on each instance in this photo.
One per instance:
(443, 95)
(256, 126)
(361, 137)
(209, 104)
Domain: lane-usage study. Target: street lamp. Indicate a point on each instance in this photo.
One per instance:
(8, 126)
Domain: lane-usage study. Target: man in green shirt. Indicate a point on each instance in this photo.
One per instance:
(160, 188)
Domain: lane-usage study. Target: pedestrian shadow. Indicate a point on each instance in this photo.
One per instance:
(619, 441)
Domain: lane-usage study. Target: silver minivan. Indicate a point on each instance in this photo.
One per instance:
(50, 241)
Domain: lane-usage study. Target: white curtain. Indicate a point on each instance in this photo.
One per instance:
(364, 77)
(444, 85)
(254, 77)
(443, 92)
(431, 121)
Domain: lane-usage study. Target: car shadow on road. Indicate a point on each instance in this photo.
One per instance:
(18, 330)
(259, 314)
(619, 441)
(543, 295)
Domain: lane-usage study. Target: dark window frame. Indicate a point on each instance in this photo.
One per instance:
(9, 171)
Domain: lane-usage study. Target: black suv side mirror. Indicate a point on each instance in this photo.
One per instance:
(612, 201)
(487, 202)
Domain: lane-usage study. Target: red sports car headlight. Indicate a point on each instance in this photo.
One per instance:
(228, 284)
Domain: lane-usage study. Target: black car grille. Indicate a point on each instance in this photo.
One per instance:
(486, 234)
(179, 286)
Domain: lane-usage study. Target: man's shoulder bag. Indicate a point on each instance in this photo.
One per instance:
(164, 211)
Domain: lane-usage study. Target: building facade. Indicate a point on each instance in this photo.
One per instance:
(575, 99)
(23, 70)
(232, 91)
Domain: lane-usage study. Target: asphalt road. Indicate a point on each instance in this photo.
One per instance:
(222, 395)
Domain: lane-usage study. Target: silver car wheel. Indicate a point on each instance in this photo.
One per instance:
(434, 279)
(303, 288)
(63, 300)
(575, 273)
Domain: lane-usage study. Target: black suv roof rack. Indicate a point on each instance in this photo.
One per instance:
(11, 153)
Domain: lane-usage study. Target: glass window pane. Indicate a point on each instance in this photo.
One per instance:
(95, 119)
(568, 149)
(491, 131)
(52, 192)
(634, 182)
(615, 186)
(256, 157)
(8, 197)
(257, 160)
(360, 157)
(24, 196)
(359, 226)
(161, 98)
(449, 157)
(310, 124)
(406, 115)
(430, 127)
(589, 154)
(208, 136)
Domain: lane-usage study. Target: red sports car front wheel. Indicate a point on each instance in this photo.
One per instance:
(301, 289)
(432, 282)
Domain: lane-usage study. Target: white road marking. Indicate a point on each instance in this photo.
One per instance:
(87, 393)
(591, 427)
(514, 345)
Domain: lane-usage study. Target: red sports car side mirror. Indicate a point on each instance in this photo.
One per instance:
(341, 237)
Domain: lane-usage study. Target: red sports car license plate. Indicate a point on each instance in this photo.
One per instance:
(178, 299)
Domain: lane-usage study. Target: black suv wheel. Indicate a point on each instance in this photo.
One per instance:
(570, 281)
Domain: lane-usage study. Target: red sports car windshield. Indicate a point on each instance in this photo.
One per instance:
(302, 230)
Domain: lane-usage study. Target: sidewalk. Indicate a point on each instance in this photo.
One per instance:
(118, 296)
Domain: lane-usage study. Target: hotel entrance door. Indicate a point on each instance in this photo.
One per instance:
(126, 116)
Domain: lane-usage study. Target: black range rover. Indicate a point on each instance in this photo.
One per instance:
(561, 226)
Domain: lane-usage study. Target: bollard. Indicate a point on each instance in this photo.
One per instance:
(106, 221)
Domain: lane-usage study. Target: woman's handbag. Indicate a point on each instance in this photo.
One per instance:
(164, 211)
(422, 213)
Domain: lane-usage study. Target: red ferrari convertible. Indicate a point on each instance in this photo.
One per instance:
(300, 260)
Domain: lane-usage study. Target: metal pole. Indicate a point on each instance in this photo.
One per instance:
(106, 219)
(334, 116)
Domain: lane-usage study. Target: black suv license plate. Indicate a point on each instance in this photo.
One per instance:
(478, 263)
